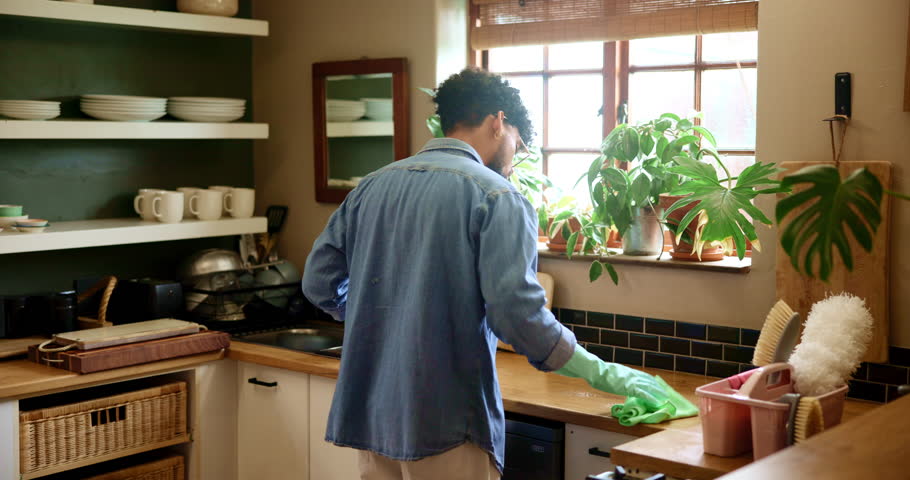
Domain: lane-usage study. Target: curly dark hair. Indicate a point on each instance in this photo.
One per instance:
(467, 97)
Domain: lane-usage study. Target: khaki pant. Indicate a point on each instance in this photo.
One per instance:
(465, 462)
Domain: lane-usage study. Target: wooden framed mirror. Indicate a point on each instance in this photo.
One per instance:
(360, 121)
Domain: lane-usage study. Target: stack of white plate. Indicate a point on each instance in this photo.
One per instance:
(379, 108)
(206, 109)
(344, 110)
(29, 109)
(123, 108)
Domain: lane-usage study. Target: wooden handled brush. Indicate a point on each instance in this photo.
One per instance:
(778, 336)
(809, 419)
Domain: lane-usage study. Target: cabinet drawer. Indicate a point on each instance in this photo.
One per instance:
(587, 449)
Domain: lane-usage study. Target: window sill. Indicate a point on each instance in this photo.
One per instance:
(727, 265)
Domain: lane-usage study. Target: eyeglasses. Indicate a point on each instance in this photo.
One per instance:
(523, 152)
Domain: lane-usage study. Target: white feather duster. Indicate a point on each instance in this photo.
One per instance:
(834, 340)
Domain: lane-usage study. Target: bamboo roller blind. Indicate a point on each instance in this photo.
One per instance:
(506, 23)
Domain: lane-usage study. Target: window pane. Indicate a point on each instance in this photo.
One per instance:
(654, 93)
(574, 103)
(516, 59)
(662, 51)
(531, 89)
(725, 47)
(735, 163)
(728, 102)
(564, 169)
(576, 56)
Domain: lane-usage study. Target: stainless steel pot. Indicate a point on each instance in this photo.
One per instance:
(205, 262)
(645, 235)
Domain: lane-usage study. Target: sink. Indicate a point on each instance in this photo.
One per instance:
(312, 340)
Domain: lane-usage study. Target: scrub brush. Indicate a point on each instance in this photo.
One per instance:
(809, 419)
(778, 336)
(836, 336)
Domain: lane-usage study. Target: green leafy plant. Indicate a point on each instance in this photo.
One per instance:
(720, 204)
(832, 209)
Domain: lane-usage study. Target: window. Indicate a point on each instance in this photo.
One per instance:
(567, 87)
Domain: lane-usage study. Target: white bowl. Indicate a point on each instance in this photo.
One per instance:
(31, 116)
(194, 117)
(123, 117)
(207, 109)
(10, 221)
(30, 103)
(22, 229)
(208, 100)
(122, 97)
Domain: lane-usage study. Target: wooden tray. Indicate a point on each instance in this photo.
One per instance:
(108, 358)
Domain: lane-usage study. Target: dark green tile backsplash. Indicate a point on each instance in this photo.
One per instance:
(681, 346)
(85, 179)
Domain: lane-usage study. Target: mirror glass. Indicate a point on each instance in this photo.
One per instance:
(359, 126)
(360, 110)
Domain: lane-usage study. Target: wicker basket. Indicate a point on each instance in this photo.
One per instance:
(170, 468)
(69, 436)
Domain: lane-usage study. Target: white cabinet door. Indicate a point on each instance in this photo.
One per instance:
(272, 424)
(215, 429)
(586, 449)
(328, 461)
(9, 440)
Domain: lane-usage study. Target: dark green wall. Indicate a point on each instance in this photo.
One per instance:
(85, 179)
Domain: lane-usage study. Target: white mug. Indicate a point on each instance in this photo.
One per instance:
(224, 189)
(239, 202)
(142, 204)
(167, 206)
(206, 204)
(187, 195)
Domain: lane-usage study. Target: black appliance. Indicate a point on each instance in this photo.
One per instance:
(141, 299)
(37, 314)
(534, 448)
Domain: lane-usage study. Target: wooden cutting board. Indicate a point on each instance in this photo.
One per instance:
(108, 358)
(871, 270)
(126, 333)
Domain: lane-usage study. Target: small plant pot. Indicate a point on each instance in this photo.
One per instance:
(614, 240)
(558, 244)
(645, 235)
(682, 250)
(541, 236)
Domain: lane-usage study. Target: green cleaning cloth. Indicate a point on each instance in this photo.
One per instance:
(636, 411)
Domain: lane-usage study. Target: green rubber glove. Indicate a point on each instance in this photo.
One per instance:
(615, 378)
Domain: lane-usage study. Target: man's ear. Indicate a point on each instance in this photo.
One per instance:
(499, 125)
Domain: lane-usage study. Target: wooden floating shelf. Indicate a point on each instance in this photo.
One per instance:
(99, 129)
(122, 231)
(134, 18)
(360, 129)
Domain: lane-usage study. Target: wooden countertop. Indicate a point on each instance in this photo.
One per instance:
(22, 378)
(875, 445)
(679, 453)
(674, 447)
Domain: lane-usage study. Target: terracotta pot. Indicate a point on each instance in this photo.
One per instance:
(683, 249)
(541, 235)
(614, 240)
(558, 244)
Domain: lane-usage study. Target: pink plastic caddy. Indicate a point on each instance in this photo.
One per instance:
(740, 413)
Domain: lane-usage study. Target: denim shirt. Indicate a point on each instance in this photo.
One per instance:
(427, 262)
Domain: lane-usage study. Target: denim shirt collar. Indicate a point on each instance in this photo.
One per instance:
(447, 143)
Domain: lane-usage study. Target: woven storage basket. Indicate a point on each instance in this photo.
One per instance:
(170, 468)
(53, 439)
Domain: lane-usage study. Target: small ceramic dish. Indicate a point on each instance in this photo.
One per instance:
(32, 222)
(11, 221)
(25, 229)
